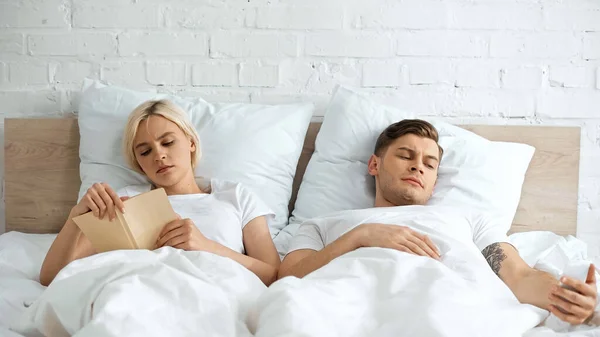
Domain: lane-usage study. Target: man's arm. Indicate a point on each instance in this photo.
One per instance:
(301, 262)
(540, 288)
(304, 261)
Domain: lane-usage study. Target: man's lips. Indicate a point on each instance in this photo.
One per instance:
(415, 181)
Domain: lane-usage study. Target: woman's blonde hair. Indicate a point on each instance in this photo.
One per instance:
(163, 108)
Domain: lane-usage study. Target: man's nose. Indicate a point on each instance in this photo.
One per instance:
(417, 168)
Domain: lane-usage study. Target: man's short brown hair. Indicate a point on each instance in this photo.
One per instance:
(417, 127)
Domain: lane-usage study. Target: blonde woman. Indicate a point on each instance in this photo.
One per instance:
(225, 218)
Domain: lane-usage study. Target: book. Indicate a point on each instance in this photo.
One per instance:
(138, 228)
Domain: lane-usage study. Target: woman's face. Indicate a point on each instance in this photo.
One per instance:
(163, 151)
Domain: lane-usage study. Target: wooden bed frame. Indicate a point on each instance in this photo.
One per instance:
(42, 173)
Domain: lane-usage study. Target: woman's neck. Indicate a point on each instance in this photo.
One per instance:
(185, 186)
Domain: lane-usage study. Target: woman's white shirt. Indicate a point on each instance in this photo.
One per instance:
(220, 215)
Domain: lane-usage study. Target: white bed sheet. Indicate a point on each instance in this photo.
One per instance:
(363, 294)
(21, 256)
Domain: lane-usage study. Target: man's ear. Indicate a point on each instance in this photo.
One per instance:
(374, 165)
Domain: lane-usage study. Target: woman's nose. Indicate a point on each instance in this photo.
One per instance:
(160, 155)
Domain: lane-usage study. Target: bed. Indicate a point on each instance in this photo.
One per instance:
(42, 173)
(42, 180)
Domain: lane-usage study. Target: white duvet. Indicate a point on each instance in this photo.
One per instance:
(370, 292)
(167, 292)
(382, 292)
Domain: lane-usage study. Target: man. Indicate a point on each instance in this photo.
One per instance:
(405, 165)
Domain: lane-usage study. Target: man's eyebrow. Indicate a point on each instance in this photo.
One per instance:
(161, 137)
(412, 151)
(432, 157)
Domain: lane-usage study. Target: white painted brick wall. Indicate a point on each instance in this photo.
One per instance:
(526, 77)
(564, 17)
(21, 74)
(11, 43)
(257, 44)
(72, 72)
(3, 73)
(166, 73)
(572, 77)
(292, 17)
(126, 73)
(409, 15)
(35, 14)
(502, 15)
(86, 15)
(78, 43)
(479, 61)
(25, 103)
(214, 74)
(477, 74)
(570, 103)
(383, 74)
(431, 72)
(343, 44)
(591, 46)
(254, 74)
(203, 17)
(493, 102)
(163, 44)
(442, 43)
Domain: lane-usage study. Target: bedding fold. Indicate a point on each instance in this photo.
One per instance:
(166, 292)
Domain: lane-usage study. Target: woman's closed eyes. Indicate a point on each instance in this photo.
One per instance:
(165, 144)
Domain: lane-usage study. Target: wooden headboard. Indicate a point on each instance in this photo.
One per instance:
(42, 173)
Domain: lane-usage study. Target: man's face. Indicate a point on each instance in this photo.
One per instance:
(406, 172)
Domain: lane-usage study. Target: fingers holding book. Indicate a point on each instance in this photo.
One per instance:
(102, 200)
(182, 234)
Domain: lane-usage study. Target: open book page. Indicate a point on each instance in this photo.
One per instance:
(104, 235)
(146, 214)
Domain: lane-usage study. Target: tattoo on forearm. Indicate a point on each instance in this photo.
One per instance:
(494, 256)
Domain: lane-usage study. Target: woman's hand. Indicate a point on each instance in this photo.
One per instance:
(575, 305)
(182, 234)
(102, 200)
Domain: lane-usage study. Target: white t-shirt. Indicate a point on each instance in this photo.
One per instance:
(220, 215)
(446, 226)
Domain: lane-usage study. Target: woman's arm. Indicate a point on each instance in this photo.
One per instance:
(262, 259)
(69, 245)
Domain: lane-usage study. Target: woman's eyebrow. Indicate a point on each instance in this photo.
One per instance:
(161, 137)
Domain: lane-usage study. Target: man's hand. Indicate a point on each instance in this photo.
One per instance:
(542, 289)
(396, 237)
(182, 234)
(575, 306)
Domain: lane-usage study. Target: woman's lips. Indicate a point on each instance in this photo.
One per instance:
(164, 169)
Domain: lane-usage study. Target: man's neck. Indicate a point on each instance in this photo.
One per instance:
(380, 201)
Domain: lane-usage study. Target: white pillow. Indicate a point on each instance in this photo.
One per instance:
(256, 145)
(474, 172)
